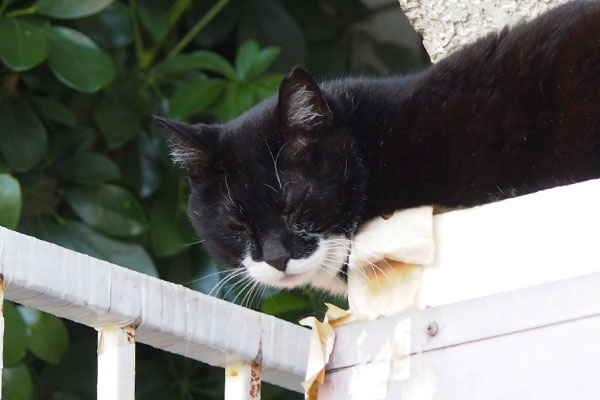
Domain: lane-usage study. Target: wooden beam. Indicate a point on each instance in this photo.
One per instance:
(167, 316)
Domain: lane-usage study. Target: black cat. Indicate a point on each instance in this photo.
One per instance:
(280, 190)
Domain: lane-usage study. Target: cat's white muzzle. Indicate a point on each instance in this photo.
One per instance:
(320, 269)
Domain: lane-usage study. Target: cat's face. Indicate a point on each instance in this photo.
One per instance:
(277, 191)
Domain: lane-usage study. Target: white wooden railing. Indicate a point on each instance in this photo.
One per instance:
(127, 307)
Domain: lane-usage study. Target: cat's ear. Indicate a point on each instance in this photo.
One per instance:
(302, 106)
(192, 146)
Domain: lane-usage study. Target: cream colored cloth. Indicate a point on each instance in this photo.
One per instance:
(385, 268)
(385, 264)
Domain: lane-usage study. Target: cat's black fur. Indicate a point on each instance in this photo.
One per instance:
(515, 112)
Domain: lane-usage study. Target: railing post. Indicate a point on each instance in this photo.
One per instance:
(116, 363)
(242, 380)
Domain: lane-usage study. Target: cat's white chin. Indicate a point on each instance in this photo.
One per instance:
(320, 270)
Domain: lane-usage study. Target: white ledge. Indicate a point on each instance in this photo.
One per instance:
(514, 294)
(167, 316)
(533, 343)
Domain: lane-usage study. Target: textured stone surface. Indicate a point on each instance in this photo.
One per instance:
(446, 25)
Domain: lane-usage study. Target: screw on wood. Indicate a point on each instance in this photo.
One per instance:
(432, 329)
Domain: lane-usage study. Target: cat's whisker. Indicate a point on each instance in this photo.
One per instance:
(222, 280)
(252, 292)
(330, 266)
(243, 302)
(259, 287)
(250, 282)
(204, 277)
(231, 204)
(340, 243)
(241, 282)
(374, 272)
(327, 270)
(344, 244)
(234, 273)
(380, 270)
(191, 243)
(358, 269)
(270, 187)
(261, 293)
(274, 162)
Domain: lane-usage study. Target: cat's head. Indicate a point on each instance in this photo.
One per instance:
(277, 191)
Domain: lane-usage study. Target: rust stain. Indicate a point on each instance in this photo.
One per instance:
(130, 333)
(233, 372)
(255, 380)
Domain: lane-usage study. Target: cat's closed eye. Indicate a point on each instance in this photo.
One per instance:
(233, 222)
(295, 195)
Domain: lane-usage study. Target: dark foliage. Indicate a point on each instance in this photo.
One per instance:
(82, 165)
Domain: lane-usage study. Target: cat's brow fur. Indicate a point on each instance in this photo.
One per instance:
(515, 112)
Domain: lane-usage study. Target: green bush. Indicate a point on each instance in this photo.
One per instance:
(83, 166)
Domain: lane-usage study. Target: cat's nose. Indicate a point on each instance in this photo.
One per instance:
(275, 254)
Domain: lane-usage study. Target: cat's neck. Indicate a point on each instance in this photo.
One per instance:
(383, 114)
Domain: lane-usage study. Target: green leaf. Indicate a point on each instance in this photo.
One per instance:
(80, 237)
(154, 17)
(22, 45)
(284, 302)
(17, 383)
(108, 208)
(23, 138)
(170, 229)
(70, 9)
(47, 336)
(244, 57)
(238, 97)
(202, 59)
(10, 201)
(15, 338)
(155, 381)
(261, 62)
(208, 273)
(117, 119)
(143, 168)
(111, 28)
(251, 62)
(77, 369)
(77, 61)
(53, 110)
(267, 86)
(87, 167)
(269, 23)
(74, 140)
(195, 96)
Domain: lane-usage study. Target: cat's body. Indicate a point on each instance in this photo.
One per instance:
(516, 112)
(282, 188)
